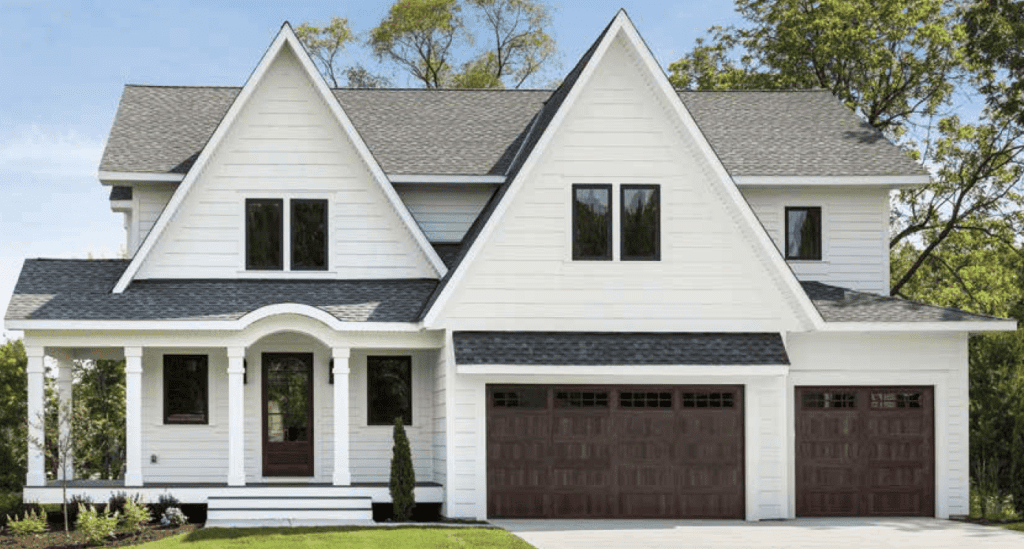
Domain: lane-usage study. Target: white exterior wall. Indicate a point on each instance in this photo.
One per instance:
(854, 227)
(711, 276)
(148, 201)
(286, 143)
(445, 212)
(440, 404)
(199, 453)
(939, 360)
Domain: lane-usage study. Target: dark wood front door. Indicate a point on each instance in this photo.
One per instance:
(288, 414)
(615, 451)
(865, 451)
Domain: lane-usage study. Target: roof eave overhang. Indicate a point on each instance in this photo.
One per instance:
(119, 178)
(970, 326)
(890, 181)
(637, 370)
(190, 325)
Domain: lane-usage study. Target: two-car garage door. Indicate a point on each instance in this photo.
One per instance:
(678, 451)
(615, 451)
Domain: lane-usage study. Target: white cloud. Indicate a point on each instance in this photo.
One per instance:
(62, 153)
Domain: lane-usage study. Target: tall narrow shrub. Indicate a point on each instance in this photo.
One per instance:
(1016, 487)
(403, 478)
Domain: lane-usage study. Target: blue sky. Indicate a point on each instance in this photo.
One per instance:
(64, 65)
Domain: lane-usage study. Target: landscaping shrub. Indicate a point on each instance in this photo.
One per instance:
(116, 503)
(74, 503)
(10, 505)
(95, 526)
(403, 478)
(165, 502)
(33, 523)
(173, 517)
(136, 515)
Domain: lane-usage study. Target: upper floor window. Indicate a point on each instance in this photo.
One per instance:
(803, 233)
(592, 222)
(264, 234)
(640, 222)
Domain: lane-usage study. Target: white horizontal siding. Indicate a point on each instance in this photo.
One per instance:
(711, 277)
(286, 143)
(445, 212)
(855, 232)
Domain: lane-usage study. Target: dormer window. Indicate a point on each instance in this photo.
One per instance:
(265, 221)
(803, 233)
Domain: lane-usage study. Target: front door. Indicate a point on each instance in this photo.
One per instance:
(288, 414)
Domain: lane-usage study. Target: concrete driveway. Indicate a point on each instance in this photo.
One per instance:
(800, 533)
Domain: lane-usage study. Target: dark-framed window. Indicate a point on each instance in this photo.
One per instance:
(264, 228)
(388, 389)
(803, 232)
(186, 390)
(309, 235)
(592, 222)
(640, 222)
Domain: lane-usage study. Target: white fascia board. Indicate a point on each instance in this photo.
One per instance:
(286, 36)
(189, 325)
(430, 319)
(449, 179)
(121, 206)
(838, 181)
(642, 370)
(969, 326)
(114, 178)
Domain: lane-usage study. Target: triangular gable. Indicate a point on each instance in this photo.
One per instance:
(782, 277)
(285, 39)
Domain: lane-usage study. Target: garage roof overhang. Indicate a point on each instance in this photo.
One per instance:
(606, 353)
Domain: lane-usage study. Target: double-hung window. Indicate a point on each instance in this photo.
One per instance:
(639, 211)
(265, 222)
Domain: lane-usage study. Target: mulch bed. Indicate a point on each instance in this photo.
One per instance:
(75, 540)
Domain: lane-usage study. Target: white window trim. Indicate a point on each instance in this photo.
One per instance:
(286, 220)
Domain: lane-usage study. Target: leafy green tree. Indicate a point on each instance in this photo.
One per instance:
(995, 43)
(13, 413)
(403, 478)
(420, 35)
(98, 418)
(519, 42)
(359, 76)
(324, 44)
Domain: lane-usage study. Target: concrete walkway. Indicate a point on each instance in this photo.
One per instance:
(800, 533)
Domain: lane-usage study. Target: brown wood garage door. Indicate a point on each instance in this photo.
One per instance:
(615, 451)
(865, 451)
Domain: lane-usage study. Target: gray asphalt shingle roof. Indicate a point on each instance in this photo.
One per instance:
(843, 305)
(68, 289)
(618, 349)
(478, 132)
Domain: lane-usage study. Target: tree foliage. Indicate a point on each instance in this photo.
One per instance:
(98, 418)
(403, 477)
(995, 44)
(13, 413)
(324, 44)
(419, 35)
(519, 42)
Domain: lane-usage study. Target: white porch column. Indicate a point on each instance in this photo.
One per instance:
(236, 416)
(36, 430)
(342, 474)
(65, 364)
(133, 416)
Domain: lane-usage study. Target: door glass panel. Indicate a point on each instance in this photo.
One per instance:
(287, 400)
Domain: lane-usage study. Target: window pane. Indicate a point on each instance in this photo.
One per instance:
(309, 235)
(592, 222)
(640, 222)
(263, 228)
(185, 389)
(288, 388)
(389, 389)
(803, 233)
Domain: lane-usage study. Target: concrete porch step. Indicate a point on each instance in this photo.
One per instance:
(253, 511)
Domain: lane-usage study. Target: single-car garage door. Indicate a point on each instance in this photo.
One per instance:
(615, 451)
(865, 451)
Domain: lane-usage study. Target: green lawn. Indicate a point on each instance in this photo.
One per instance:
(343, 538)
(1018, 526)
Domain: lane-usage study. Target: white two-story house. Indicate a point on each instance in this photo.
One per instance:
(613, 299)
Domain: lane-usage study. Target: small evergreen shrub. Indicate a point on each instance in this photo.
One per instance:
(33, 523)
(165, 502)
(97, 527)
(136, 515)
(74, 503)
(403, 478)
(11, 505)
(173, 517)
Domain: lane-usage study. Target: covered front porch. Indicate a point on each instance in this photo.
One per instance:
(287, 405)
